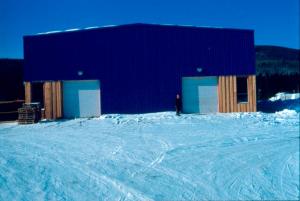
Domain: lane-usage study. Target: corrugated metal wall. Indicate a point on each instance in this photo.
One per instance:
(140, 66)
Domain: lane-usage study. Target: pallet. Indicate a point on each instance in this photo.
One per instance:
(28, 114)
(26, 110)
(28, 121)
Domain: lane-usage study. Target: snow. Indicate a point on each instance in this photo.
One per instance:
(73, 29)
(285, 96)
(286, 113)
(279, 102)
(49, 32)
(157, 156)
(93, 27)
(113, 25)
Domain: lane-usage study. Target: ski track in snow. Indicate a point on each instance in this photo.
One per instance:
(158, 156)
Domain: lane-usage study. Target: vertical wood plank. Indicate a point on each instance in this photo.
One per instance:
(48, 100)
(219, 94)
(238, 107)
(27, 92)
(254, 93)
(223, 95)
(54, 99)
(235, 107)
(247, 105)
(244, 107)
(231, 93)
(227, 94)
(250, 94)
(58, 101)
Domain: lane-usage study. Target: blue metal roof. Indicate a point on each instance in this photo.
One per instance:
(140, 61)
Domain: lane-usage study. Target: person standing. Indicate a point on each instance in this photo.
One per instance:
(178, 104)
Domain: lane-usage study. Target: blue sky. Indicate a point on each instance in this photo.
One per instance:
(276, 22)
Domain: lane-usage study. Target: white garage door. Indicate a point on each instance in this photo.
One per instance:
(200, 94)
(81, 98)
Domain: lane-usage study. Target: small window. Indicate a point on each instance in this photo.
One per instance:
(242, 92)
(37, 93)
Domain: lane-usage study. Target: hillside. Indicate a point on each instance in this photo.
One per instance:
(271, 60)
(11, 79)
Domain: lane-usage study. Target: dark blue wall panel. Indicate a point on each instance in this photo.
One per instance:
(140, 66)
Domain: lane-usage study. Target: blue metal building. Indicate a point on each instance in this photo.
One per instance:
(140, 67)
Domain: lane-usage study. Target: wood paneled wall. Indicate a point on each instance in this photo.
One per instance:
(227, 89)
(53, 100)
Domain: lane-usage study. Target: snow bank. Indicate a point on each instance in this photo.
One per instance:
(286, 113)
(279, 102)
(285, 96)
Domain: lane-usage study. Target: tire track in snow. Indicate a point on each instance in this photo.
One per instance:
(97, 177)
(281, 174)
(55, 157)
(286, 167)
(125, 190)
(157, 160)
(161, 156)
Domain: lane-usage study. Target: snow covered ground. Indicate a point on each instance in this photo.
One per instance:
(156, 156)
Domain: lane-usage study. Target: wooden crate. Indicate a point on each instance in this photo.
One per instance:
(28, 114)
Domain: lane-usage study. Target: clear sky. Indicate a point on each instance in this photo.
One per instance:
(276, 22)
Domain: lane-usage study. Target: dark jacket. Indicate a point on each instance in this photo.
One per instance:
(178, 104)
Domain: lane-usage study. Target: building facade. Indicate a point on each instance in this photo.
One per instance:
(139, 68)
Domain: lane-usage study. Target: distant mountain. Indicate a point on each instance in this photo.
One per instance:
(272, 60)
(11, 88)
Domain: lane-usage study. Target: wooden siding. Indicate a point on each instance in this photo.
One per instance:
(227, 88)
(53, 100)
(58, 100)
(48, 99)
(27, 92)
